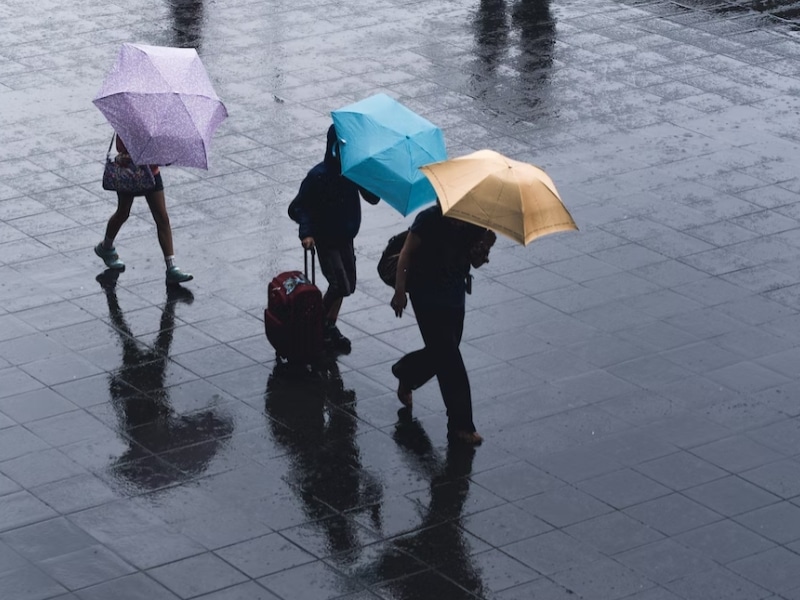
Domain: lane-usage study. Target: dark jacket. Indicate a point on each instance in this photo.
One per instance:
(441, 266)
(328, 207)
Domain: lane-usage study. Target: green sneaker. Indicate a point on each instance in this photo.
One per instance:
(175, 275)
(109, 256)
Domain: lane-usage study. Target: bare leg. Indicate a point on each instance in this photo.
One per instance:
(333, 310)
(117, 220)
(158, 208)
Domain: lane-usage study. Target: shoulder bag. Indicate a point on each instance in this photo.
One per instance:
(122, 175)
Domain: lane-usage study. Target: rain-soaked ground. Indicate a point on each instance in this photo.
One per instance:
(636, 382)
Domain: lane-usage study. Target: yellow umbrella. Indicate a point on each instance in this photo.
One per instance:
(510, 197)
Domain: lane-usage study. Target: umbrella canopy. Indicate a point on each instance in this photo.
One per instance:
(510, 197)
(162, 104)
(382, 144)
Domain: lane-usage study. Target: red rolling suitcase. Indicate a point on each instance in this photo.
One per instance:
(293, 317)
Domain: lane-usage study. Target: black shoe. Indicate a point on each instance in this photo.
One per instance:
(333, 338)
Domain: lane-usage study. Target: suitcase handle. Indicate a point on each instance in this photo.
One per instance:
(313, 263)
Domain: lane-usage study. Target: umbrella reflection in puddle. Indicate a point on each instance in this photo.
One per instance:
(164, 448)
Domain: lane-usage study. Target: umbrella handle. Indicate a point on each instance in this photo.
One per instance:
(108, 152)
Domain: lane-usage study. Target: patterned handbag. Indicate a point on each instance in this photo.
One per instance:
(122, 175)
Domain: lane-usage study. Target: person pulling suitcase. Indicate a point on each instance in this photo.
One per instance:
(327, 209)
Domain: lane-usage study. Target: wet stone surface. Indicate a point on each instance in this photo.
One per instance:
(636, 382)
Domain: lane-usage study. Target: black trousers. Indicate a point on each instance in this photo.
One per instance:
(441, 328)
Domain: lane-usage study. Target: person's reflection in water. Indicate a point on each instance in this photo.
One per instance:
(312, 416)
(491, 33)
(537, 40)
(520, 83)
(187, 22)
(439, 540)
(164, 448)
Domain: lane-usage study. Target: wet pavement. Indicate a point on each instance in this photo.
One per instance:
(636, 382)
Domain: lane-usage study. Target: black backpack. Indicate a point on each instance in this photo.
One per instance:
(387, 265)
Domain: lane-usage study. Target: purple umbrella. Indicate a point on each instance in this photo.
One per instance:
(162, 104)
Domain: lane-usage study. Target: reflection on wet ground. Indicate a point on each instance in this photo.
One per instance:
(778, 10)
(635, 383)
(164, 448)
(187, 23)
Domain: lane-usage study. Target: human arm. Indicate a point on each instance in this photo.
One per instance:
(368, 196)
(404, 263)
(301, 211)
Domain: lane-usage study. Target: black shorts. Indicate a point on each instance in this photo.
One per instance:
(338, 264)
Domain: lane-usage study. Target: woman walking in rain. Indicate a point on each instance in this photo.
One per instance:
(158, 208)
(434, 268)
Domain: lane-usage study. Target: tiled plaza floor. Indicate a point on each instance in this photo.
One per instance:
(636, 382)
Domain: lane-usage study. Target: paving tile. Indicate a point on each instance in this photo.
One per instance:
(724, 541)
(623, 488)
(563, 506)
(22, 508)
(41, 467)
(783, 436)
(736, 453)
(672, 514)
(552, 552)
(48, 539)
(214, 530)
(717, 583)
(264, 555)
(197, 575)
(602, 579)
(665, 561)
(29, 583)
(687, 430)
(154, 547)
(731, 495)
(736, 415)
(311, 581)
(680, 470)
(747, 376)
(504, 524)
(777, 522)
(495, 571)
(775, 569)
(75, 493)
(633, 447)
(614, 533)
(780, 477)
(131, 587)
(85, 567)
(16, 381)
(515, 481)
(541, 588)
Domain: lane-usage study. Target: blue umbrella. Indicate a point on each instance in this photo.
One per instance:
(382, 144)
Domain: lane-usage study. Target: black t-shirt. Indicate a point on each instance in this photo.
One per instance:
(441, 264)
